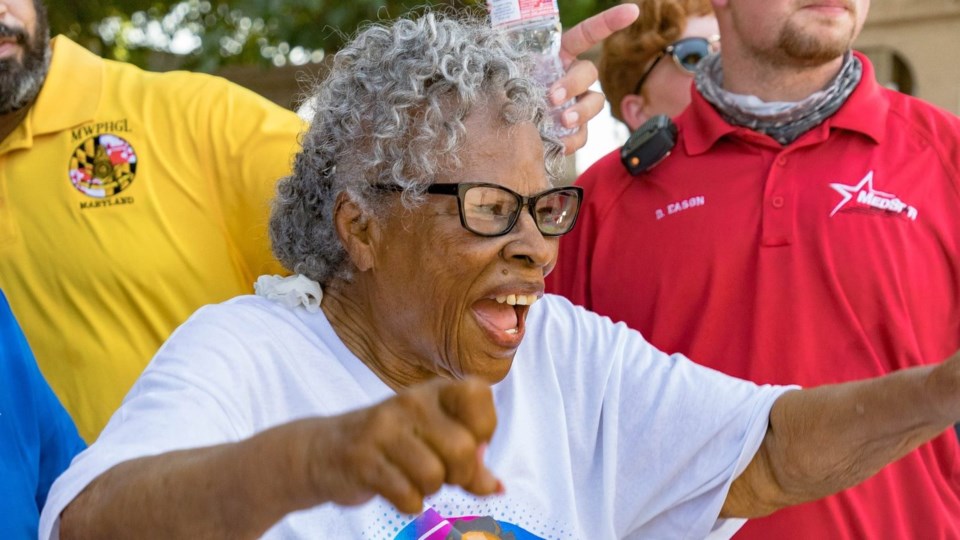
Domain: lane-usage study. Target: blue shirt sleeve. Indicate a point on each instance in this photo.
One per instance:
(37, 437)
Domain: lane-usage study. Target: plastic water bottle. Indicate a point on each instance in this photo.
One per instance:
(534, 25)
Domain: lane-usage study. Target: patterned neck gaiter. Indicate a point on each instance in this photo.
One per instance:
(784, 121)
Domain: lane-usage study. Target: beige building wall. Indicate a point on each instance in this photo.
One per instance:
(915, 45)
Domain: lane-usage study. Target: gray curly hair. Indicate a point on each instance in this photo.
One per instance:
(391, 111)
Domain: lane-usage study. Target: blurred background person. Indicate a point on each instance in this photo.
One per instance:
(647, 68)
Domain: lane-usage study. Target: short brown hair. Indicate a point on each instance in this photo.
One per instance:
(627, 52)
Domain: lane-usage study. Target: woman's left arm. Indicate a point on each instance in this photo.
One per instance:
(830, 438)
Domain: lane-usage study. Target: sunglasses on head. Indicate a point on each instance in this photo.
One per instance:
(686, 52)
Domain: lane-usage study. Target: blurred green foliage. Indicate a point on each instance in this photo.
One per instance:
(207, 34)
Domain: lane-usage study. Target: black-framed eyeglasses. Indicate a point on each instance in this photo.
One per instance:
(686, 52)
(493, 210)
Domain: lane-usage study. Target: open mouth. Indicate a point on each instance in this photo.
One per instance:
(521, 304)
(503, 317)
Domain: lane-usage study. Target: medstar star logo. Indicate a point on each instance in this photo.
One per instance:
(863, 196)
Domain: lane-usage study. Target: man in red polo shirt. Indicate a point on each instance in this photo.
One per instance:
(805, 215)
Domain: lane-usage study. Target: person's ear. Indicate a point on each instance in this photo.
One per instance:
(633, 110)
(357, 231)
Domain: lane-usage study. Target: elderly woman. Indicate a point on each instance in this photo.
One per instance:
(431, 383)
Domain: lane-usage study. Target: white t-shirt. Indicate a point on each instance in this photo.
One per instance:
(599, 435)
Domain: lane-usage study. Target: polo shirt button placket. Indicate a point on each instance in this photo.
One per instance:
(776, 223)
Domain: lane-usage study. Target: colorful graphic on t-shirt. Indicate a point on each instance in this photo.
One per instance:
(432, 526)
(103, 165)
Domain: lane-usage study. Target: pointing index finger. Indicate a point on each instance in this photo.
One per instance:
(595, 29)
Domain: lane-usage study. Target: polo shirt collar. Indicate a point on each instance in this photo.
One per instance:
(864, 112)
(866, 109)
(71, 92)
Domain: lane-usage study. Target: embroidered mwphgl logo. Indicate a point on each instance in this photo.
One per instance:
(863, 197)
(103, 166)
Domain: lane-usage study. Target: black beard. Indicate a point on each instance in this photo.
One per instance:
(20, 82)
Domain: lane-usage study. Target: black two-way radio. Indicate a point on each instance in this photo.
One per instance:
(649, 144)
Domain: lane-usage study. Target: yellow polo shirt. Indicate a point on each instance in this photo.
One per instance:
(129, 199)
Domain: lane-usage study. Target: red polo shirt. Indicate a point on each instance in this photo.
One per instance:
(834, 258)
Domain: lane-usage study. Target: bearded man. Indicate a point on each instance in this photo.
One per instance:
(805, 212)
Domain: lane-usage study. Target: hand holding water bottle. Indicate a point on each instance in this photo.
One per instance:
(570, 93)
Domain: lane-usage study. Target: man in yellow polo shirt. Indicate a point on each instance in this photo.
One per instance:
(128, 199)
